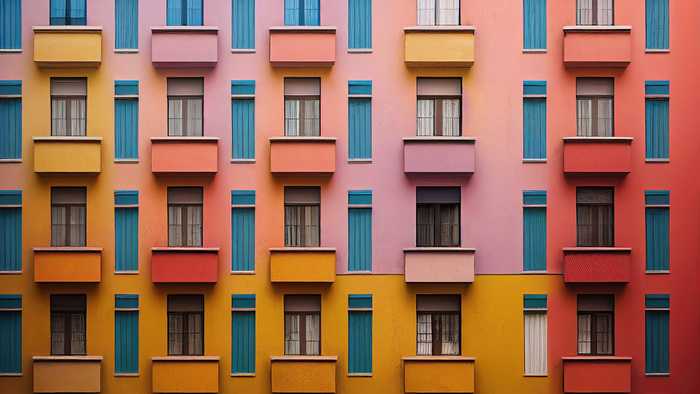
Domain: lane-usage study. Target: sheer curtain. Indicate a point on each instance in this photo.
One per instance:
(58, 226)
(449, 12)
(311, 228)
(450, 117)
(426, 12)
(313, 334)
(291, 334)
(194, 334)
(535, 343)
(77, 338)
(605, 12)
(58, 117)
(291, 118)
(175, 330)
(449, 327)
(175, 226)
(584, 118)
(77, 117)
(58, 333)
(604, 117)
(584, 334)
(449, 225)
(194, 226)
(425, 117)
(175, 118)
(584, 12)
(194, 117)
(424, 330)
(311, 118)
(425, 226)
(77, 226)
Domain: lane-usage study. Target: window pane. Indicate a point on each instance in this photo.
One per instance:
(58, 333)
(291, 117)
(175, 117)
(425, 225)
(77, 226)
(605, 117)
(313, 334)
(603, 332)
(449, 225)
(77, 117)
(77, 341)
(58, 117)
(449, 12)
(302, 225)
(312, 119)
(194, 117)
(584, 334)
(424, 335)
(605, 12)
(584, 117)
(425, 117)
(58, 226)
(194, 334)
(175, 226)
(426, 12)
(194, 226)
(584, 12)
(175, 333)
(291, 333)
(449, 327)
(450, 117)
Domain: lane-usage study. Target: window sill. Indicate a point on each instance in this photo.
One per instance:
(126, 161)
(535, 375)
(534, 51)
(9, 161)
(657, 160)
(360, 50)
(6, 50)
(242, 375)
(534, 161)
(126, 272)
(125, 51)
(356, 273)
(665, 50)
(658, 272)
(127, 375)
(10, 272)
(657, 374)
(535, 272)
(359, 161)
(359, 375)
(242, 50)
(242, 272)
(10, 374)
(242, 161)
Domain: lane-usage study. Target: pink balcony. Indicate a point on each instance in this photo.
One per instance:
(302, 46)
(184, 155)
(184, 46)
(597, 265)
(302, 155)
(597, 374)
(439, 155)
(184, 265)
(439, 265)
(597, 46)
(597, 155)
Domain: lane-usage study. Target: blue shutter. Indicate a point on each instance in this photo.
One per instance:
(243, 20)
(243, 334)
(126, 24)
(291, 12)
(534, 128)
(657, 340)
(360, 239)
(360, 128)
(126, 335)
(174, 13)
(359, 24)
(126, 243)
(534, 231)
(10, 24)
(58, 12)
(10, 334)
(359, 334)
(10, 230)
(194, 13)
(78, 12)
(10, 128)
(243, 128)
(657, 133)
(312, 13)
(126, 128)
(657, 24)
(126, 88)
(534, 301)
(534, 24)
(242, 230)
(657, 231)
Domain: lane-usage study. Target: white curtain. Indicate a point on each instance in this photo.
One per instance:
(175, 117)
(605, 12)
(313, 334)
(584, 12)
(175, 327)
(291, 334)
(194, 117)
(450, 334)
(77, 338)
(291, 118)
(450, 117)
(584, 334)
(584, 126)
(604, 117)
(424, 344)
(194, 226)
(77, 226)
(58, 333)
(58, 117)
(311, 118)
(426, 12)
(175, 226)
(77, 117)
(58, 226)
(535, 343)
(449, 12)
(425, 117)
(194, 331)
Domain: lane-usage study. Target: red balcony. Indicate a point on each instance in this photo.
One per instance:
(302, 46)
(597, 265)
(597, 155)
(184, 265)
(588, 374)
(184, 155)
(456, 155)
(597, 46)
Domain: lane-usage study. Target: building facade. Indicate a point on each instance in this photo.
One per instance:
(419, 196)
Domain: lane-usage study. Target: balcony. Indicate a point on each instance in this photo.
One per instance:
(597, 265)
(167, 43)
(185, 374)
(439, 46)
(597, 155)
(456, 155)
(68, 46)
(439, 265)
(67, 265)
(303, 374)
(597, 46)
(302, 155)
(302, 265)
(184, 265)
(68, 155)
(302, 46)
(67, 374)
(439, 374)
(184, 155)
(597, 374)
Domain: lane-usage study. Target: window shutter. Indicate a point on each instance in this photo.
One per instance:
(11, 230)
(174, 13)
(657, 24)
(242, 230)
(302, 303)
(302, 86)
(291, 12)
(359, 24)
(534, 128)
(312, 13)
(360, 128)
(535, 24)
(185, 86)
(78, 12)
(58, 12)
(68, 87)
(126, 128)
(11, 24)
(657, 333)
(594, 86)
(359, 239)
(194, 13)
(243, 128)
(359, 334)
(243, 20)
(439, 86)
(10, 334)
(126, 24)
(10, 127)
(656, 124)
(126, 334)
(657, 230)
(438, 303)
(302, 195)
(438, 195)
(534, 231)
(243, 334)
(126, 231)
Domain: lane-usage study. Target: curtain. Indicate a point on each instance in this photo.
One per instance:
(425, 117)
(77, 226)
(194, 226)
(175, 226)
(426, 12)
(77, 338)
(291, 117)
(535, 343)
(58, 333)
(603, 334)
(194, 334)
(194, 117)
(449, 330)
(424, 335)
(584, 334)
(313, 334)
(449, 225)
(311, 118)
(605, 12)
(194, 13)
(594, 224)
(425, 223)
(584, 118)
(58, 117)
(58, 226)
(311, 13)
(449, 12)
(584, 12)
(450, 117)
(604, 117)
(302, 227)
(175, 117)
(291, 12)
(291, 333)
(175, 330)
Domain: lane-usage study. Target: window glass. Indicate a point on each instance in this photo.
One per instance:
(302, 211)
(185, 216)
(68, 106)
(438, 325)
(594, 12)
(68, 216)
(595, 325)
(594, 107)
(185, 325)
(594, 217)
(68, 325)
(302, 325)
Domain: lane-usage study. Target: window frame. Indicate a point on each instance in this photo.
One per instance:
(439, 115)
(436, 7)
(593, 333)
(302, 100)
(66, 225)
(588, 204)
(185, 327)
(437, 233)
(437, 342)
(67, 118)
(183, 226)
(301, 223)
(594, 13)
(302, 331)
(185, 114)
(68, 327)
(595, 100)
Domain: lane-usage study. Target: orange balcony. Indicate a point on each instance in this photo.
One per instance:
(302, 265)
(302, 155)
(597, 265)
(185, 374)
(67, 155)
(67, 374)
(302, 46)
(597, 155)
(597, 46)
(439, 265)
(68, 46)
(184, 265)
(303, 374)
(588, 374)
(184, 155)
(439, 374)
(167, 43)
(67, 265)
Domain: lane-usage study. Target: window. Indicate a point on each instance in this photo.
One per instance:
(10, 118)
(360, 230)
(126, 120)
(68, 325)
(184, 13)
(658, 249)
(10, 333)
(68, 12)
(360, 120)
(438, 12)
(437, 216)
(656, 120)
(126, 231)
(243, 24)
(11, 230)
(596, 328)
(534, 230)
(126, 333)
(535, 310)
(594, 12)
(439, 103)
(657, 310)
(535, 24)
(243, 230)
(594, 217)
(438, 325)
(185, 100)
(302, 107)
(594, 107)
(68, 102)
(534, 120)
(243, 334)
(126, 24)
(657, 24)
(302, 325)
(185, 325)
(302, 12)
(243, 120)
(302, 212)
(11, 24)
(185, 216)
(68, 211)
(360, 24)
(359, 333)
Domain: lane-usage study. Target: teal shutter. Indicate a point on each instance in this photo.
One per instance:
(534, 120)
(657, 334)
(78, 12)
(11, 24)
(657, 114)
(534, 231)
(126, 334)
(535, 24)
(10, 230)
(10, 123)
(10, 334)
(243, 128)
(58, 12)
(360, 230)
(302, 12)
(126, 128)
(359, 24)
(243, 20)
(360, 128)
(312, 12)
(243, 334)
(535, 302)
(174, 13)
(126, 231)
(194, 13)
(242, 230)
(657, 230)
(126, 24)
(291, 12)
(360, 334)
(657, 24)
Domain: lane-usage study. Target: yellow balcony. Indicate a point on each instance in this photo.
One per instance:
(68, 46)
(67, 265)
(302, 265)
(439, 374)
(185, 374)
(68, 155)
(443, 46)
(303, 374)
(67, 374)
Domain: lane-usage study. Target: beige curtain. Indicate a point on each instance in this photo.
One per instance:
(535, 343)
